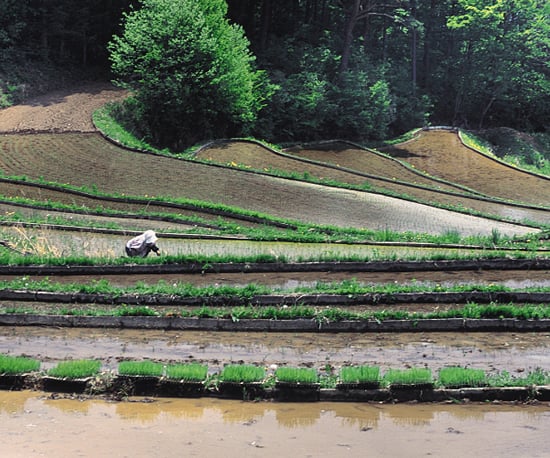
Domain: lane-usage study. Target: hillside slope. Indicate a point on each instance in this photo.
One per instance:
(91, 161)
(441, 153)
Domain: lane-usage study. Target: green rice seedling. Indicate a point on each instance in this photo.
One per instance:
(192, 372)
(412, 376)
(147, 368)
(17, 364)
(296, 375)
(504, 378)
(451, 377)
(360, 374)
(76, 369)
(237, 373)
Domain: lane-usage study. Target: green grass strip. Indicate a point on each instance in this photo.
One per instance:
(461, 377)
(345, 287)
(360, 374)
(411, 376)
(189, 372)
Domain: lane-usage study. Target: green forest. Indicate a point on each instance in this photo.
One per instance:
(289, 70)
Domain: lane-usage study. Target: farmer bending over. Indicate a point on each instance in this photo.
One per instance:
(142, 245)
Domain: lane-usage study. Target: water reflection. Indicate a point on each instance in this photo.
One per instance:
(288, 415)
(36, 424)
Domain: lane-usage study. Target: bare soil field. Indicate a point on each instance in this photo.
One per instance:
(67, 110)
(90, 161)
(361, 167)
(342, 154)
(442, 154)
(144, 208)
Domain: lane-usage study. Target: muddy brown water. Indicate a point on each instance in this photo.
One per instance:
(37, 425)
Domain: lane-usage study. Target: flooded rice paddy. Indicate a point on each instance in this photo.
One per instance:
(34, 424)
(290, 280)
(86, 244)
(514, 352)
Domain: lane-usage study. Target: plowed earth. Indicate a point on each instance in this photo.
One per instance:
(442, 154)
(345, 163)
(89, 160)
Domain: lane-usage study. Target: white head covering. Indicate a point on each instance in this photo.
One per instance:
(150, 236)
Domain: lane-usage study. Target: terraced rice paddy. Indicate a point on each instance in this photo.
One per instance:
(91, 162)
(346, 163)
(332, 184)
(441, 153)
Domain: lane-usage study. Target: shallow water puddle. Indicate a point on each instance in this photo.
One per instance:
(33, 424)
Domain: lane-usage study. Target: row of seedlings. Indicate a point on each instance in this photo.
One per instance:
(243, 381)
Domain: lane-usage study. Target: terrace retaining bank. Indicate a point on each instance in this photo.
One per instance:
(121, 386)
(291, 299)
(266, 267)
(263, 325)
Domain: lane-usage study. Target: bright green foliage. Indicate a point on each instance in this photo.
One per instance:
(296, 375)
(76, 369)
(502, 63)
(191, 71)
(192, 372)
(505, 378)
(359, 374)
(412, 376)
(17, 364)
(461, 376)
(140, 368)
(242, 373)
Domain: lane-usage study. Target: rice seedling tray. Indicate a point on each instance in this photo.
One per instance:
(180, 388)
(64, 384)
(241, 390)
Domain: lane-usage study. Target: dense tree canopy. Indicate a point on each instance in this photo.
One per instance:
(191, 71)
(357, 69)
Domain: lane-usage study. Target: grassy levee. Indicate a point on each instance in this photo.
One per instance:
(90, 161)
(441, 153)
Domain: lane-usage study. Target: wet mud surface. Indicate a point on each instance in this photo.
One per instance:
(37, 424)
(289, 280)
(514, 352)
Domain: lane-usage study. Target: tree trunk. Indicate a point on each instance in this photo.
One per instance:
(485, 111)
(348, 36)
